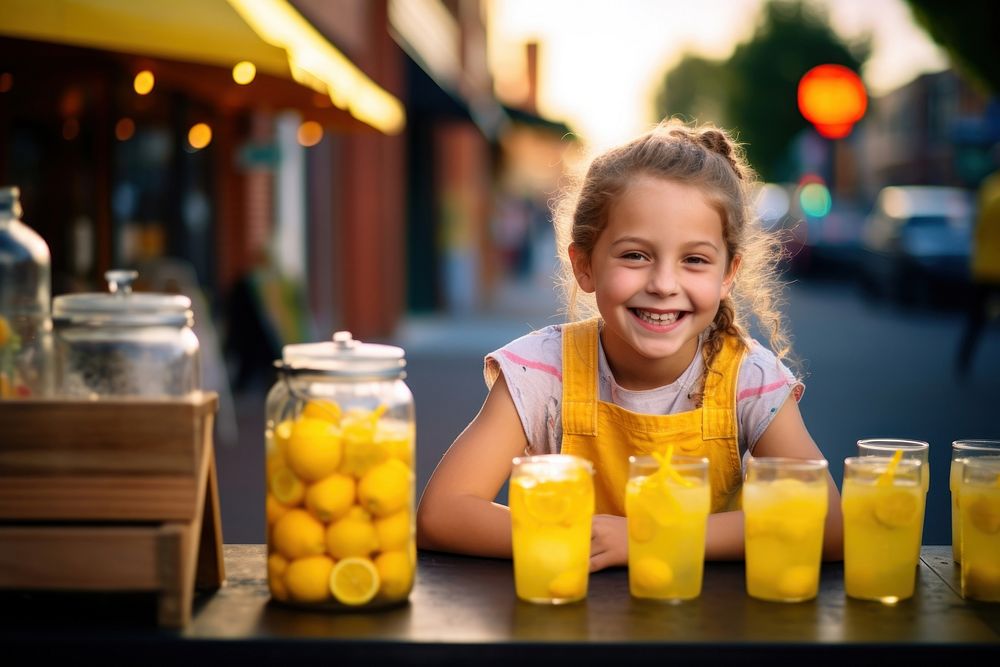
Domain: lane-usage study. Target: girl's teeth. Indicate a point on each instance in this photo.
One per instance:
(657, 318)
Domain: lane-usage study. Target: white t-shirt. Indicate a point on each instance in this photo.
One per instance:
(532, 367)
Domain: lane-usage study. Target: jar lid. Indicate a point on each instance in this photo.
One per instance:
(345, 357)
(120, 306)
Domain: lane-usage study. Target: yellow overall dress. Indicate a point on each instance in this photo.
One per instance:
(607, 434)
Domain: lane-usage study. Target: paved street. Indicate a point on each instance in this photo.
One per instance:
(871, 371)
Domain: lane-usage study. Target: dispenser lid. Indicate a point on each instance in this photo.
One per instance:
(121, 306)
(343, 356)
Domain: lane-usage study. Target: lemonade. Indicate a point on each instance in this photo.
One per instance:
(667, 501)
(785, 504)
(960, 451)
(882, 501)
(911, 449)
(340, 507)
(980, 519)
(551, 506)
(955, 486)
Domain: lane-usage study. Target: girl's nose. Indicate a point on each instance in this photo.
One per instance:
(662, 280)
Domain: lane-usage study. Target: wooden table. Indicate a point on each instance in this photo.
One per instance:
(463, 611)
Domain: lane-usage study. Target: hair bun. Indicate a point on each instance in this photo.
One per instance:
(716, 141)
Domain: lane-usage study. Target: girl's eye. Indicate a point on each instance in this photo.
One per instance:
(696, 260)
(634, 256)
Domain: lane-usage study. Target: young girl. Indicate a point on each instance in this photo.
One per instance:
(660, 237)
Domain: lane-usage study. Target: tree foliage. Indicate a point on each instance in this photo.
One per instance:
(968, 31)
(684, 93)
(754, 92)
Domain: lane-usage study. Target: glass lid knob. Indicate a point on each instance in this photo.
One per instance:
(120, 281)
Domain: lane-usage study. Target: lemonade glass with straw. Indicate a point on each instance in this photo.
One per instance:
(960, 451)
(912, 449)
(667, 501)
(785, 504)
(551, 507)
(980, 518)
(882, 501)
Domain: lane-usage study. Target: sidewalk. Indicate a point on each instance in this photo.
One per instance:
(518, 308)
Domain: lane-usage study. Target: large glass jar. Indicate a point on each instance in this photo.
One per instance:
(124, 343)
(25, 325)
(340, 476)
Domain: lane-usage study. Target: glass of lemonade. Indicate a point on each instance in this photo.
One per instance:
(883, 500)
(912, 449)
(980, 519)
(551, 507)
(960, 451)
(667, 501)
(785, 502)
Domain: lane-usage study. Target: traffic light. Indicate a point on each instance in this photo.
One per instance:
(833, 99)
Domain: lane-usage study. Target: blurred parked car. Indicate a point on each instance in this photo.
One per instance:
(916, 242)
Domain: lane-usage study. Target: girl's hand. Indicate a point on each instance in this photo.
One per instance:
(608, 542)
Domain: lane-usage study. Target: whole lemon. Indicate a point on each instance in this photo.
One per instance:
(276, 566)
(652, 574)
(395, 570)
(298, 534)
(385, 489)
(569, 584)
(393, 531)
(308, 579)
(275, 509)
(352, 535)
(314, 448)
(330, 497)
(323, 409)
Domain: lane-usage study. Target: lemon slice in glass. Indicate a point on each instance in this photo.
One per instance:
(896, 508)
(984, 516)
(354, 581)
(547, 505)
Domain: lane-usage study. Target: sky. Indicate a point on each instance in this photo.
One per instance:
(600, 61)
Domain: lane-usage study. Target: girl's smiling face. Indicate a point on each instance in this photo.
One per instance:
(658, 271)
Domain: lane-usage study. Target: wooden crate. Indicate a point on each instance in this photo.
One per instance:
(111, 495)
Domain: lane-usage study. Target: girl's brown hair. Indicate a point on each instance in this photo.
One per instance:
(704, 156)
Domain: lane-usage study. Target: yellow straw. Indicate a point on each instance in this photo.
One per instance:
(885, 479)
(667, 468)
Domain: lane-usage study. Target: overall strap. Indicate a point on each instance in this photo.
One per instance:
(579, 400)
(719, 400)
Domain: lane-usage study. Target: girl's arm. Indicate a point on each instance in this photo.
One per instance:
(787, 435)
(456, 511)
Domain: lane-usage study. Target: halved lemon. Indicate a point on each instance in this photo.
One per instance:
(354, 581)
(287, 488)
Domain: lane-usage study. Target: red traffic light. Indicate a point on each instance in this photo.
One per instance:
(832, 98)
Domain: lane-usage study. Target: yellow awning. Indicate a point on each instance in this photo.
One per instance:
(269, 33)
